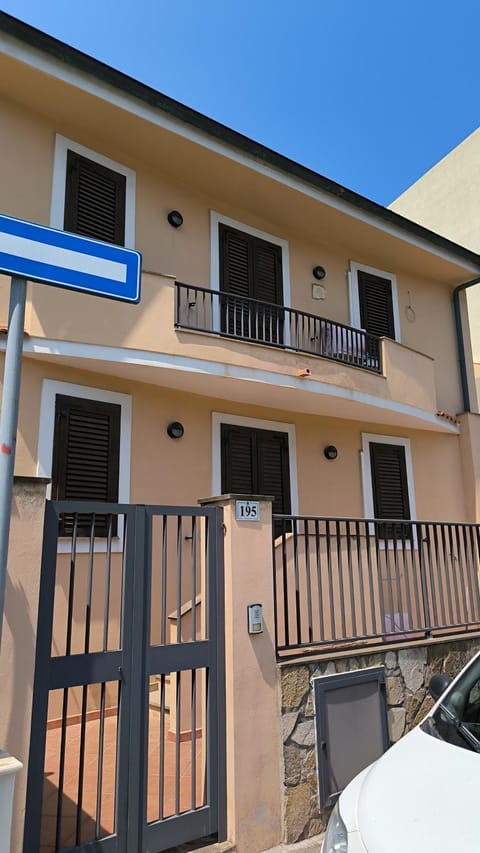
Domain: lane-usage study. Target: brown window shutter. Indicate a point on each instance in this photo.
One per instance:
(390, 485)
(94, 200)
(86, 449)
(376, 304)
(237, 460)
(256, 462)
(250, 268)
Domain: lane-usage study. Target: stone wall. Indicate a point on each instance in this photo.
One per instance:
(407, 674)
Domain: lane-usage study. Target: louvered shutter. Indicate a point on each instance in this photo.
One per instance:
(250, 268)
(390, 487)
(94, 200)
(256, 462)
(274, 472)
(237, 460)
(235, 278)
(267, 286)
(85, 455)
(376, 305)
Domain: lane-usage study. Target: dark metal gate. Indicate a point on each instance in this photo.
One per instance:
(128, 723)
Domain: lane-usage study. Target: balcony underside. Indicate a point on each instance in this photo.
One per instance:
(247, 383)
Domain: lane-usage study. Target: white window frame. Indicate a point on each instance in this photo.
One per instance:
(50, 389)
(367, 439)
(219, 418)
(217, 219)
(354, 297)
(59, 177)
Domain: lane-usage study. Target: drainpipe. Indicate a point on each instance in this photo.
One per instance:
(460, 340)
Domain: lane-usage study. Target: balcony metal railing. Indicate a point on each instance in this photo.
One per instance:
(342, 581)
(215, 312)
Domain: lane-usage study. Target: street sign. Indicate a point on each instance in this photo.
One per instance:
(42, 254)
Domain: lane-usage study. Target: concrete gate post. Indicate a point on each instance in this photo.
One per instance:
(17, 656)
(254, 781)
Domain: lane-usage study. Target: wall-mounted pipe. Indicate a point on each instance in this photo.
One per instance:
(460, 340)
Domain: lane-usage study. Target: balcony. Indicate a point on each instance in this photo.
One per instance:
(345, 582)
(213, 312)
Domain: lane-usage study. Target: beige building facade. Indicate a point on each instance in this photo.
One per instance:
(292, 340)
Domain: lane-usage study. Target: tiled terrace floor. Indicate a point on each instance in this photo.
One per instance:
(102, 824)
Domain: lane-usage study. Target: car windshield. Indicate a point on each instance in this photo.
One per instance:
(457, 718)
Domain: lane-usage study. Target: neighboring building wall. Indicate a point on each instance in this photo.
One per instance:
(446, 200)
(408, 672)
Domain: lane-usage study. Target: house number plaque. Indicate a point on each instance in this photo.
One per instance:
(247, 511)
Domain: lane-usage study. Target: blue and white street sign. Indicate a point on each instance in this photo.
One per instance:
(43, 254)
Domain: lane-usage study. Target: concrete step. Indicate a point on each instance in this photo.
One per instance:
(216, 847)
(309, 844)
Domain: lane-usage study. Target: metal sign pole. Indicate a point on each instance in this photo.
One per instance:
(9, 421)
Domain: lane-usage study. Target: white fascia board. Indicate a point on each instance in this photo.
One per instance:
(88, 83)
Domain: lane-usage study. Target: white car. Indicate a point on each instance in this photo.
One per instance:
(422, 794)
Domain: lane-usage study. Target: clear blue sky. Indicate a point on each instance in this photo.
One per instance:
(370, 93)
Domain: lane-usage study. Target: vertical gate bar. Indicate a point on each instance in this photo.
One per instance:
(124, 688)
(370, 577)
(308, 580)
(453, 571)
(431, 573)
(61, 772)
(319, 580)
(179, 578)
(423, 577)
(350, 578)
(38, 728)
(276, 615)
(298, 614)
(163, 617)
(467, 547)
(108, 570)
(446, 567)
(441, 600)
(340, 578)
(193, 709)
(377, 528)
(415, 551)
(361, 581)
(161, 781)
(407, 579)
(136, 737)
(68, 648)
(463, 571)
(178, 700)
(83, 719)
(473, 593)
(101, 740)
(286, 625)
(216, 723)
(194, 577)
(397, 576)
(386, 551)
(71, 585)
(101, 732)
(330, 579)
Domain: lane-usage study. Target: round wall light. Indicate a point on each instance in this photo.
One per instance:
(330, 452)
(175, 218)
(175, 429)
(319, 273)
